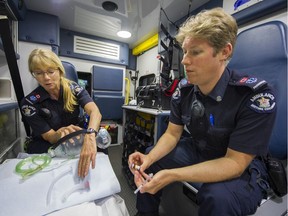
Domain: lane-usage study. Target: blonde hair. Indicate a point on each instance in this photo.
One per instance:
(45, 58)
(215, 26)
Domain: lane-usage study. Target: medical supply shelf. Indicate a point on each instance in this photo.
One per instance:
(142, 128)
(9, 130)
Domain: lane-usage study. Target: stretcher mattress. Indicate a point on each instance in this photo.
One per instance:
(55, 187)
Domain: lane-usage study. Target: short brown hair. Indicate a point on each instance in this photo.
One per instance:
(215, 26)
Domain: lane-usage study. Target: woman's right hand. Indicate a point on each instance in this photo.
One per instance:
(63, 131)
(53, 136)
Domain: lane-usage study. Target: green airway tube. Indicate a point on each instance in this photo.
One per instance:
(34, 163)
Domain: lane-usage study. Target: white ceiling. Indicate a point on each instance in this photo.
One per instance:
(140, 16)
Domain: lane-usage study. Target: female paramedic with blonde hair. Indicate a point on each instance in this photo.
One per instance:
(52, 109)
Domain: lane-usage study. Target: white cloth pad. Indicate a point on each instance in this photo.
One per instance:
(31, 197)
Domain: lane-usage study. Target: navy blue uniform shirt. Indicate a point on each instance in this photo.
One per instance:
(239, 114)
(35, 105)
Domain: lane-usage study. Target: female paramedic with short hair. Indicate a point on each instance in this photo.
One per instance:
(229, 117)
(52, 109)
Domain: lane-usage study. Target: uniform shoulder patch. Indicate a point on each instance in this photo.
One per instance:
(253, 83)
(177, 93)
(28, 110)
(76, 89)
(263, 102)
(183, 83)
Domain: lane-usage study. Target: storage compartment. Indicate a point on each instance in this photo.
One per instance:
(108, 91)
(138, 135)
(5, 89)
(8, 127)
(47, 25)
(84, 80)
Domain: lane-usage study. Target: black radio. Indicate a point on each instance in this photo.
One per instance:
(277, 176)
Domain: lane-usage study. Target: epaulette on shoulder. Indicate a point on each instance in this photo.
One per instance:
(252, 82)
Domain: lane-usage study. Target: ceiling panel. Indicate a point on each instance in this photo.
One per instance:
(140, 16)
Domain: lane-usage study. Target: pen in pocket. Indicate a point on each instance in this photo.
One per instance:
(211, 118)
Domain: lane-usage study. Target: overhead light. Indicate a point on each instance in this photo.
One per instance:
(124, 34)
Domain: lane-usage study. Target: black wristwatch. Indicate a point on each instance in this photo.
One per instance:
(91, 130)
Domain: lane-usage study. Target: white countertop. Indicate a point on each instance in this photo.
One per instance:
(146, 110)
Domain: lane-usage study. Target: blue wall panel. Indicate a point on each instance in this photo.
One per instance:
(39, 28)
(258, 10)
(67, 47)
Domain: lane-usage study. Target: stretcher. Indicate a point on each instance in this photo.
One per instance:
(55, 189)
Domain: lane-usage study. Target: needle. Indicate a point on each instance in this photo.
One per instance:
(146, 180)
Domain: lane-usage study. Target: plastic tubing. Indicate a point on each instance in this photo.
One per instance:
(38, 161)
(48, 199)
(84, 186)
(57, 165)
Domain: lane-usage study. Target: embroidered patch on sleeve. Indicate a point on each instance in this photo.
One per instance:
(76, 89)
(28, 110)
(263, 102)
(33, 98)
(176, 93)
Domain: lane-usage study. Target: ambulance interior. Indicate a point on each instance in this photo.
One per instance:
(124, 77)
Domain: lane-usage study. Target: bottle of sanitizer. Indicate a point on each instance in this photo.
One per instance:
(103, 138)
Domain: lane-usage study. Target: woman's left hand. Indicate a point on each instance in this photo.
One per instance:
(87, 155)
